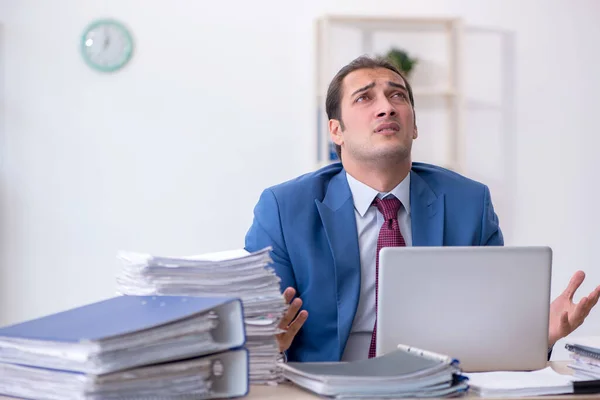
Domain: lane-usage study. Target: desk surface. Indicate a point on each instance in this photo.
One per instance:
(291, 392)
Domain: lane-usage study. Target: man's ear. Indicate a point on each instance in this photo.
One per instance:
(335, 131)
(415, 132)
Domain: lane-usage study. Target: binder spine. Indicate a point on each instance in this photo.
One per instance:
(230, 374)
(582, 352)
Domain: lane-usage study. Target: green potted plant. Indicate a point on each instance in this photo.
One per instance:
(402, 60)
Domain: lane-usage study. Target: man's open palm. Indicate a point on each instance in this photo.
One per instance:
(566, 316)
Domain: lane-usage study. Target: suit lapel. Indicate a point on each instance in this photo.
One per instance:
(427, 213)
(337, 215)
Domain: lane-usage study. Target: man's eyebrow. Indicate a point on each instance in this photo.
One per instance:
(397, 85)
(364, 88)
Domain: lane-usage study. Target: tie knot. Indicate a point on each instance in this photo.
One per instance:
(389, 207)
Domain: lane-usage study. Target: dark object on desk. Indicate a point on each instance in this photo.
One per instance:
(586, 387)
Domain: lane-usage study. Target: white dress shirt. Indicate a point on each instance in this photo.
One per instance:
(368, 223)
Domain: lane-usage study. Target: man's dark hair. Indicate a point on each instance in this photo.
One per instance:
(335, 93)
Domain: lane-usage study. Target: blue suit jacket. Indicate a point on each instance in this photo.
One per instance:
(310, 224)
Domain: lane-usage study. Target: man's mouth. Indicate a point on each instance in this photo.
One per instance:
(390, 127)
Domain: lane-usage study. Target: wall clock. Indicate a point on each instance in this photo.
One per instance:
(106, 45)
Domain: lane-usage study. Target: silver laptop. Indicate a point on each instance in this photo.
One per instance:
(488, 307)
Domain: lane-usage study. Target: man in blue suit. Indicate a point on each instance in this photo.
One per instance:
(325, 227)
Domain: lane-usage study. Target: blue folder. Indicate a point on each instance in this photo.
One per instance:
(220, 375)
(125, 332)
(113, 317)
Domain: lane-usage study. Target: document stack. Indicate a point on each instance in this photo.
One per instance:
(405, 372)
(584, 354)
(129, 347)
(231, 273)
(507, 384)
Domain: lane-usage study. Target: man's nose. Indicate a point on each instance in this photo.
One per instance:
(386, 109)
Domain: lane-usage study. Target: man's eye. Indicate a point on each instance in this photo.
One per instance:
(399, 94)
(361, 98)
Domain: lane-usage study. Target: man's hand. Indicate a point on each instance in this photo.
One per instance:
(290, 323)
(565, 316)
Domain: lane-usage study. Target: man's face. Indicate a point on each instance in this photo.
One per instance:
(377, 121)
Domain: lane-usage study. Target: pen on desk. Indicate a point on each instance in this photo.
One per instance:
(426, 353)
(586, 387)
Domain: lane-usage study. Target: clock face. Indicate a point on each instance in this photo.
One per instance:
(106, 45)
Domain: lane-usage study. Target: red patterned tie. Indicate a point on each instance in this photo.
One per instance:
(389, 236)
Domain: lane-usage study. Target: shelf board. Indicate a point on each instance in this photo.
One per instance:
(433, 92)
(374, 19)
(376, 23)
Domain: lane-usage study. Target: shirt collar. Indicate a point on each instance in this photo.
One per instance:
(363, 195)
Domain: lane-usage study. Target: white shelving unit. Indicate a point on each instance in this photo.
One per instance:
(435, 81)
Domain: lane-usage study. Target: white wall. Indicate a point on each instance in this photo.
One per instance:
(169, 155)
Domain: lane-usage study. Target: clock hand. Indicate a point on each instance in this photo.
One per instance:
(106, 39)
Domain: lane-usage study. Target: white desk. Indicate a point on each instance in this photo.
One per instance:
(289, 391)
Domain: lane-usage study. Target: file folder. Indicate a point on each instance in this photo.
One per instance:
(584, 353)
(221, 375)
(405, 372)
(125, 332)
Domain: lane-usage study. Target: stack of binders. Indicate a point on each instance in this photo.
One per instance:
(129, 347)
(231, 273)
(584, 353)
(405, 372)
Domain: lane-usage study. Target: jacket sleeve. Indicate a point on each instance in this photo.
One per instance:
(266, 230)
(491, 234)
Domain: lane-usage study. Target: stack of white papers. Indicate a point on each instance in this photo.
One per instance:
(186, 379)
(585, 357)
(398, 374)
(192, 377)
(520, 384)
(232, 273)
